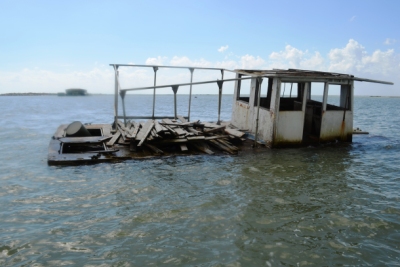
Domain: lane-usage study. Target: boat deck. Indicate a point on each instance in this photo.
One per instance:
(143, 140)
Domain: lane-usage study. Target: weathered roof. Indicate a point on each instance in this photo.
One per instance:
(304, 75)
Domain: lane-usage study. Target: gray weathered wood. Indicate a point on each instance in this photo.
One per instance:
(234, 132)
(203, 147)
(221, 146)
(114, 138)
(215, 129)
(154, 149)
(147, 132)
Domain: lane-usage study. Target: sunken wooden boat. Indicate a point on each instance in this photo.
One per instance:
(274, 108)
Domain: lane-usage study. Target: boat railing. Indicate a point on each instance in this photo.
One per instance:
(122, 92)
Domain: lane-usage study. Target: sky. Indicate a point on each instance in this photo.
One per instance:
(49, 46)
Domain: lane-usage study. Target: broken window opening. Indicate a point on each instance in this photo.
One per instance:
(265, 93)
(338, 97)
(291, 96)
(243, 89)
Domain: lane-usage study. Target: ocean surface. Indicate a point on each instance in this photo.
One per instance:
(332, 205)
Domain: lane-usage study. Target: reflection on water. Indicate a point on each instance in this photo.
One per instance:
(330, 205)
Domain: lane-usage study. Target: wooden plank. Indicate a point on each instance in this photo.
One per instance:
(234, 132)
(143, 130)
(135, 131)
(171, 130)
(210, 125)
(114, 139)
(215, 129)
(221, 147)
(181, 118)
(226, 143)
(171, 141)
(158, 127)
(154, 149)
(183, 147)
(174, 127)
(147, 132)
(215, 137)
(195, 138)
(203, 147)
(190, 129)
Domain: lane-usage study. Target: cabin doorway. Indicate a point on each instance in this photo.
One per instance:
(313, 113)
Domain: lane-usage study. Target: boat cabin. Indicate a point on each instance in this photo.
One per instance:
(278, 107)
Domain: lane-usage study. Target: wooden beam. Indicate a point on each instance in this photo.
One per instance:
(114, 138)
(146, 131)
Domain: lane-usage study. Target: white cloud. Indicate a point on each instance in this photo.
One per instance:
(185, 61)
(353, 58)
(251, 62)
(223, 48)
(389, 41)
(156, 60)
(292, 57)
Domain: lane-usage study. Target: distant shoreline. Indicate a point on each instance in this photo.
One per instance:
(27, 94)
(51, 94)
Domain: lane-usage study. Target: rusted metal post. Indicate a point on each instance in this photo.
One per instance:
(154, 92)
(190, 93)
(116, 97)
(123, 93)
(325, 97)
(220, 85)
(260, 80)
(175, 90)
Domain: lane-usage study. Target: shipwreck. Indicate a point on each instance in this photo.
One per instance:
(272, 108)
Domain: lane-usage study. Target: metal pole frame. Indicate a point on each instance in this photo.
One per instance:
(154, 92)
(220, 87)
(175, 90)
(116, 98)
(190, 93)
(123, 93)
(260, 80)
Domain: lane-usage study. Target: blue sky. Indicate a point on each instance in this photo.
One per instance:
(48, 46)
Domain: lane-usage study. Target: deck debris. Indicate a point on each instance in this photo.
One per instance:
(179, 135)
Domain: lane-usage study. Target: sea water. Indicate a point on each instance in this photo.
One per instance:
(320, 205)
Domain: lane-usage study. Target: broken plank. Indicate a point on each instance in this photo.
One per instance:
(147, 132)
(169, 141)
(135, 131)
(222, 147)
(114, 138)
(195, 138)
(234, 132)
(181, 118)
(183, 147)
(215, 137)
(143, 130)
(215, 129)
(158, 127)
(203, 147)
(226, 143)
(154, 149)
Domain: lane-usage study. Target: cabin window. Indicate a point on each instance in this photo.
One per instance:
(265, 93)
(338, 97)
(291, 96)
(243, 89)
(316, 92)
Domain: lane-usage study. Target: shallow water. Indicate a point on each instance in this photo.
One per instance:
(329, 205)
